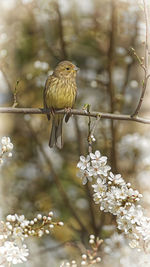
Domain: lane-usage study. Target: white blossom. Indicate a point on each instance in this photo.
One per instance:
(5, 149)
(21, 219)
(116, 179)
(84, 162)
(98, 168)
(13, 253)
(16, 229)
(116, 196)
(95, 156)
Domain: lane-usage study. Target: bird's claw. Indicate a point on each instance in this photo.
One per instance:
(68, 110)
(68, 114)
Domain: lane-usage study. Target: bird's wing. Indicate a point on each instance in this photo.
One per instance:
(45, 91)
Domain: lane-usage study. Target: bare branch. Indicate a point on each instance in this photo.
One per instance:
(95, 114)
(91, 130)
(15, 104)
(146, 65)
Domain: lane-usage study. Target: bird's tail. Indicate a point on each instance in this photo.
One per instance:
(56, 131)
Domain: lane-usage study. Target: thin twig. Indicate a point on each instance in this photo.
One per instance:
(139, 59)
(89, 139)
(15, 104)
(88, 188)
(91, 131)
(146, 65)
(95, 124)
(94, 114)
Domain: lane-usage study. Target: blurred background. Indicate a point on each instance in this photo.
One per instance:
(97, 36)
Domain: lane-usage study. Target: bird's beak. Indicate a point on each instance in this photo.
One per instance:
(76, 68)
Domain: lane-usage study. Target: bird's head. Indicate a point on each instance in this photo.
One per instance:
(66, 70)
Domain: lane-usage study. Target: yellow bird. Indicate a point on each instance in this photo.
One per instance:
(59, 93)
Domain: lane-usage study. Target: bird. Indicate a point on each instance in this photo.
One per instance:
(60, 93)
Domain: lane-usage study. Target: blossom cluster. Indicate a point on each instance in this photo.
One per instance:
(90, 257)
(116, 196)
(92, 166)
(15, 230)
(5, 149)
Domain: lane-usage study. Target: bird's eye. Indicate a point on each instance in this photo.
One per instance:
(67, 68)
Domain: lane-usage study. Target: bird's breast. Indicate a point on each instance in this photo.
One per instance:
(61, 94)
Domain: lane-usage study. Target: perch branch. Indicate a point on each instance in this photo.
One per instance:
(95, 114)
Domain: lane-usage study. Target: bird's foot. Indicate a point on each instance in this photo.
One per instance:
(68, 110)
(68, 114)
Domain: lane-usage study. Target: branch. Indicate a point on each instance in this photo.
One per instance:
(146, 65)
(93, 114)
(88, 188)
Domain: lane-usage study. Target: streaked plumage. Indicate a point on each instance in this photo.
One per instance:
(59, 93)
